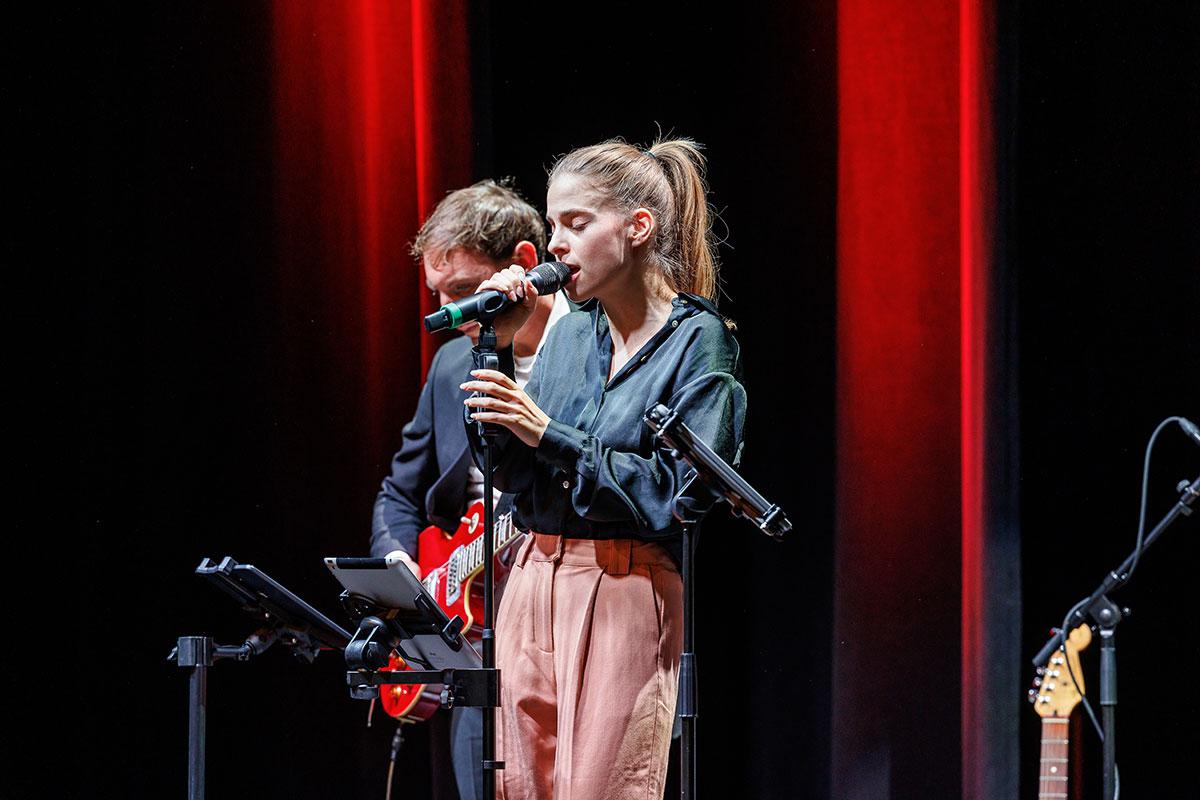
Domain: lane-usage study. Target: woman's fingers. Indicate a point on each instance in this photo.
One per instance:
(495, 376)
(489, 388)
(511, 280)
(510, 421)
(493, 404)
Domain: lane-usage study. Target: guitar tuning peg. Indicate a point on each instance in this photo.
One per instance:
(1037, 681)
(1041, 670)
(1032, 696)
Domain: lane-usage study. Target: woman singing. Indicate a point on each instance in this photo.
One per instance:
(589, 631)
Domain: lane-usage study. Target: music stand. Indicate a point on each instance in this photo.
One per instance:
(282, 617)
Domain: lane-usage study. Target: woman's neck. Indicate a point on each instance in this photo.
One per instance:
(635, 312)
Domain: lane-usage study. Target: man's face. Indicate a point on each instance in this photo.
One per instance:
(457, 274)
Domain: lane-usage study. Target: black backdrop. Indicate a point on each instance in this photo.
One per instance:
(191, 447)
(1107, 248)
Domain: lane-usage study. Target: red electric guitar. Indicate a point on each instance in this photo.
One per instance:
(1054, 696)
(449, 565)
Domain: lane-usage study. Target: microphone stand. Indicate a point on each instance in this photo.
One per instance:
(488, 359)
(709, 481)
(1107, 616)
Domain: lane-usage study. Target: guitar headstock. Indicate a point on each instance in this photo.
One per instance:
(1054, 694)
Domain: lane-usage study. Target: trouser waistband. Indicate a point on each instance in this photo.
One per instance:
(614, 556)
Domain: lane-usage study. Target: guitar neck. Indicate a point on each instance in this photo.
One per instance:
(505, 535)
(1056, 742)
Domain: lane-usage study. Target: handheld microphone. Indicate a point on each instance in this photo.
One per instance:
(547, 278)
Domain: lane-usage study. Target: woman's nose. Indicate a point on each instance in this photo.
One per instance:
(556, 245)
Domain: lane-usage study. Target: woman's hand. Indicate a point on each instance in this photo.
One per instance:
(520, 290)
(505, 404)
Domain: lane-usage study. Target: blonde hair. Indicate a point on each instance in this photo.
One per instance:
(668, 179)
(487, 217)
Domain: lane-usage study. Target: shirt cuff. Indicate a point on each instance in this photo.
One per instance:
(562, 446)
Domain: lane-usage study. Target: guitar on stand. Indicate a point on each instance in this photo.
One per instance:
(1054, 697)
(450, 563)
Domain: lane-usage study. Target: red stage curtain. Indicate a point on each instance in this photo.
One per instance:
(373, 126)
(915, 199)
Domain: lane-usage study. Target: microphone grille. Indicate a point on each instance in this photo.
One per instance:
(550, 276)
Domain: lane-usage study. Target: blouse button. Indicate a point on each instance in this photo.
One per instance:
(674, 323)
(566, 484)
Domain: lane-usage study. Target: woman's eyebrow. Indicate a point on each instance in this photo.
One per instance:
(569, 212)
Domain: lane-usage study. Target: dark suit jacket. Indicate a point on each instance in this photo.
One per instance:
(429, 475)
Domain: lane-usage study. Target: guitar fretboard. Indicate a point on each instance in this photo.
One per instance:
(472, 559)
(1052, 778)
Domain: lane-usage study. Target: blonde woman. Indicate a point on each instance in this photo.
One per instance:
(589, 631)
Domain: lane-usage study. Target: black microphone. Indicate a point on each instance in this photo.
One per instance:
(547, 278)
(1190, 429)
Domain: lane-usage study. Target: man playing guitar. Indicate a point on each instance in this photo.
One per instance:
(473, 233)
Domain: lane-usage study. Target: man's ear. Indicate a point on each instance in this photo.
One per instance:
(642, 226)
(525, 255)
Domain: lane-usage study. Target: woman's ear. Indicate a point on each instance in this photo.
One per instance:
(642, 226)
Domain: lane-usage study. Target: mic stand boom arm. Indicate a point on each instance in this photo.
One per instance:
(1117, 577)
(709, 481)
(721, 478)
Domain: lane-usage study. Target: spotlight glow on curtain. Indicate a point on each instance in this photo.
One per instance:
(373, 121)
(915, 196)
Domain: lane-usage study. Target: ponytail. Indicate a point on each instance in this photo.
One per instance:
(696, 263)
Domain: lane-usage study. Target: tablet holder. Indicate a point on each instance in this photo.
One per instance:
(382, 630)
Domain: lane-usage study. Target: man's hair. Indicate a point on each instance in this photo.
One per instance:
(488, 218)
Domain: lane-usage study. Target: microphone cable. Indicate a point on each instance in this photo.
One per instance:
(397, 742)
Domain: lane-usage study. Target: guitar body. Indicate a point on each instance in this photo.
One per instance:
(451, 565)
(408, 702)
(436, 551)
